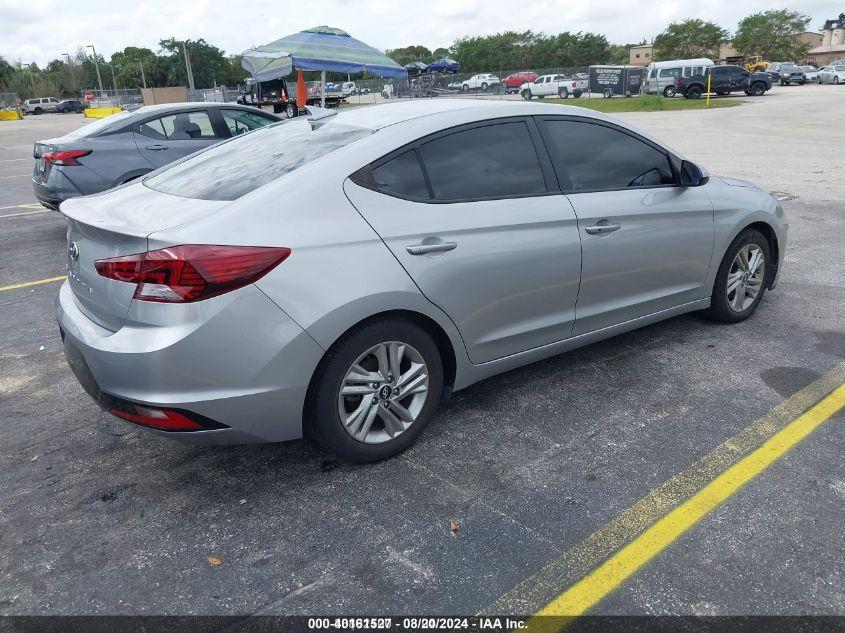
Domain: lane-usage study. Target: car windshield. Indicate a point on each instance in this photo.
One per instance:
(233, 168)
(100, 125)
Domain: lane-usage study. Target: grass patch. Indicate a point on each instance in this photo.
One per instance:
(645, 103)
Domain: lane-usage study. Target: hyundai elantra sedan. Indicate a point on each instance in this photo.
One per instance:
(340, 277)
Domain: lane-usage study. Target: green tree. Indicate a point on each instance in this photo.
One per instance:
(689, 39)
(440, 53)
(406, 54)
(772, 35)
(209, 64)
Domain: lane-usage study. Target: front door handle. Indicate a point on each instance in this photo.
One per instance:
(435, 247)
(157, 147)
(602, 229)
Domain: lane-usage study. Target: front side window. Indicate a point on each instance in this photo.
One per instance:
(484, 162)
(241, 121)
(236, 167)
(614, 160)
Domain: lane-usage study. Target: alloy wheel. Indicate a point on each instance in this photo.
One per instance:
(383, 392)
(745, 277)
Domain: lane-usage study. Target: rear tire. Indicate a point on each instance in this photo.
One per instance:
(563, 93)
(377, 437)
(669, 91)
(729, 307)
(38, 111)
(758, 89)
(608, 93)
(693, 92)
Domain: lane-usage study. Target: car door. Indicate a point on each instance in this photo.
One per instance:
(483, 231)
(163, 139)
(720, 78)
(739, 78)
(646, 242)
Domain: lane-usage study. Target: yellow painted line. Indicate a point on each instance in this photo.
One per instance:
(17, 215)
(565, 570)
(27, 284)
(586, 593)
(28, 205)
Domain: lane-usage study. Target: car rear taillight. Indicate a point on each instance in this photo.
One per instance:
(574, 84)
(66, 158)
(677, 82)
(193, 272)
(160, 418)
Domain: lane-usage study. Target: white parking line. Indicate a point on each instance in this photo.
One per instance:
(26, 205)
(16, 176)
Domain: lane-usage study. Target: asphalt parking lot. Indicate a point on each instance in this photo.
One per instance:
(522, 485)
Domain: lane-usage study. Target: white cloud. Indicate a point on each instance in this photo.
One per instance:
(41, 30)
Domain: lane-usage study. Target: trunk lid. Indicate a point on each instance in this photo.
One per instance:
(114, 224)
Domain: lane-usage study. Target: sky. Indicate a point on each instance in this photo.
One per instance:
(41, 30)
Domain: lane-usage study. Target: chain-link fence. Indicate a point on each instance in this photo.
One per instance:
(122, 97)
(563, 82)
(9, 99)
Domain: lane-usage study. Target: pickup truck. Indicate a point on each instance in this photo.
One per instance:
(281, 95)
(555, 85)
(724, 80)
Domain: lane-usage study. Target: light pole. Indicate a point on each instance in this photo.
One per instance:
(188, 68)
(72, 70)
(96, 67)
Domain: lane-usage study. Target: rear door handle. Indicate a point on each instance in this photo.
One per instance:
(601, 229)
(157, 147)
(436, 247)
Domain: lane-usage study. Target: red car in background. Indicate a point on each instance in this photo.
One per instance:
(514, 81)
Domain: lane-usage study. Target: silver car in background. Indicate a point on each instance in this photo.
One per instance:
(119, 148)
(339, 277)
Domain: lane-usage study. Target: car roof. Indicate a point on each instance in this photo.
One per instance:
(376, 117)
(185, 105)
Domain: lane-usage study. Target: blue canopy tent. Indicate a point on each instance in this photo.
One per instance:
(322, 48)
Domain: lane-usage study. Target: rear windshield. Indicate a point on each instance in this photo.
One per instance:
(231, 169)
(100, 125)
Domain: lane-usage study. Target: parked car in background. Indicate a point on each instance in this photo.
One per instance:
(41, 105)
(416, 68)
(832, 74)
(444, 66)
(660, 76)
(724, 80)
(70, 105)
(482, 82)
(786, 73)
(811, 73)
(514, 82)
(575, 227)
(124, 146)
(555, 86)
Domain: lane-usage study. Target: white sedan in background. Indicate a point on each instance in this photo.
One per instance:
(810, 72)
(833, 74)
(482, 82)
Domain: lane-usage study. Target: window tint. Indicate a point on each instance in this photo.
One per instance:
(598, 157)
(183, 126)
(235, 167)
(670, 72)
(240, 121)
(153, 129)
(720, 71)
(482, 162)
(402, 176)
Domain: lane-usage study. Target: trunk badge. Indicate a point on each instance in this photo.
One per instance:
(73, 251)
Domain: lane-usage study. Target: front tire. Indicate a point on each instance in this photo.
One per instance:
(375, 390)
(526, 94)
(742, 278)
(669, 91)
(694, 92)
(291, 110)
(758, 90)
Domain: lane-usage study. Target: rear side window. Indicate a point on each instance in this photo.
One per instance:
(241, 121)
(670, 72)
(231, 169)
(614, 160)
(402, 176)
(484, 162)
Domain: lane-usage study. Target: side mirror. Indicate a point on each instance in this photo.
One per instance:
(692, 175)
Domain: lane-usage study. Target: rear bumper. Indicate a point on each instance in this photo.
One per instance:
(55, 190)
(241, 362)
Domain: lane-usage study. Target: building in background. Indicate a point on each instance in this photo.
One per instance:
(644, 55)
(832, 46)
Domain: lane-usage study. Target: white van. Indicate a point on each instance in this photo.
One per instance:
(660, 76)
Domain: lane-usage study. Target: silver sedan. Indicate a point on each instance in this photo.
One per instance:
(341, 276)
